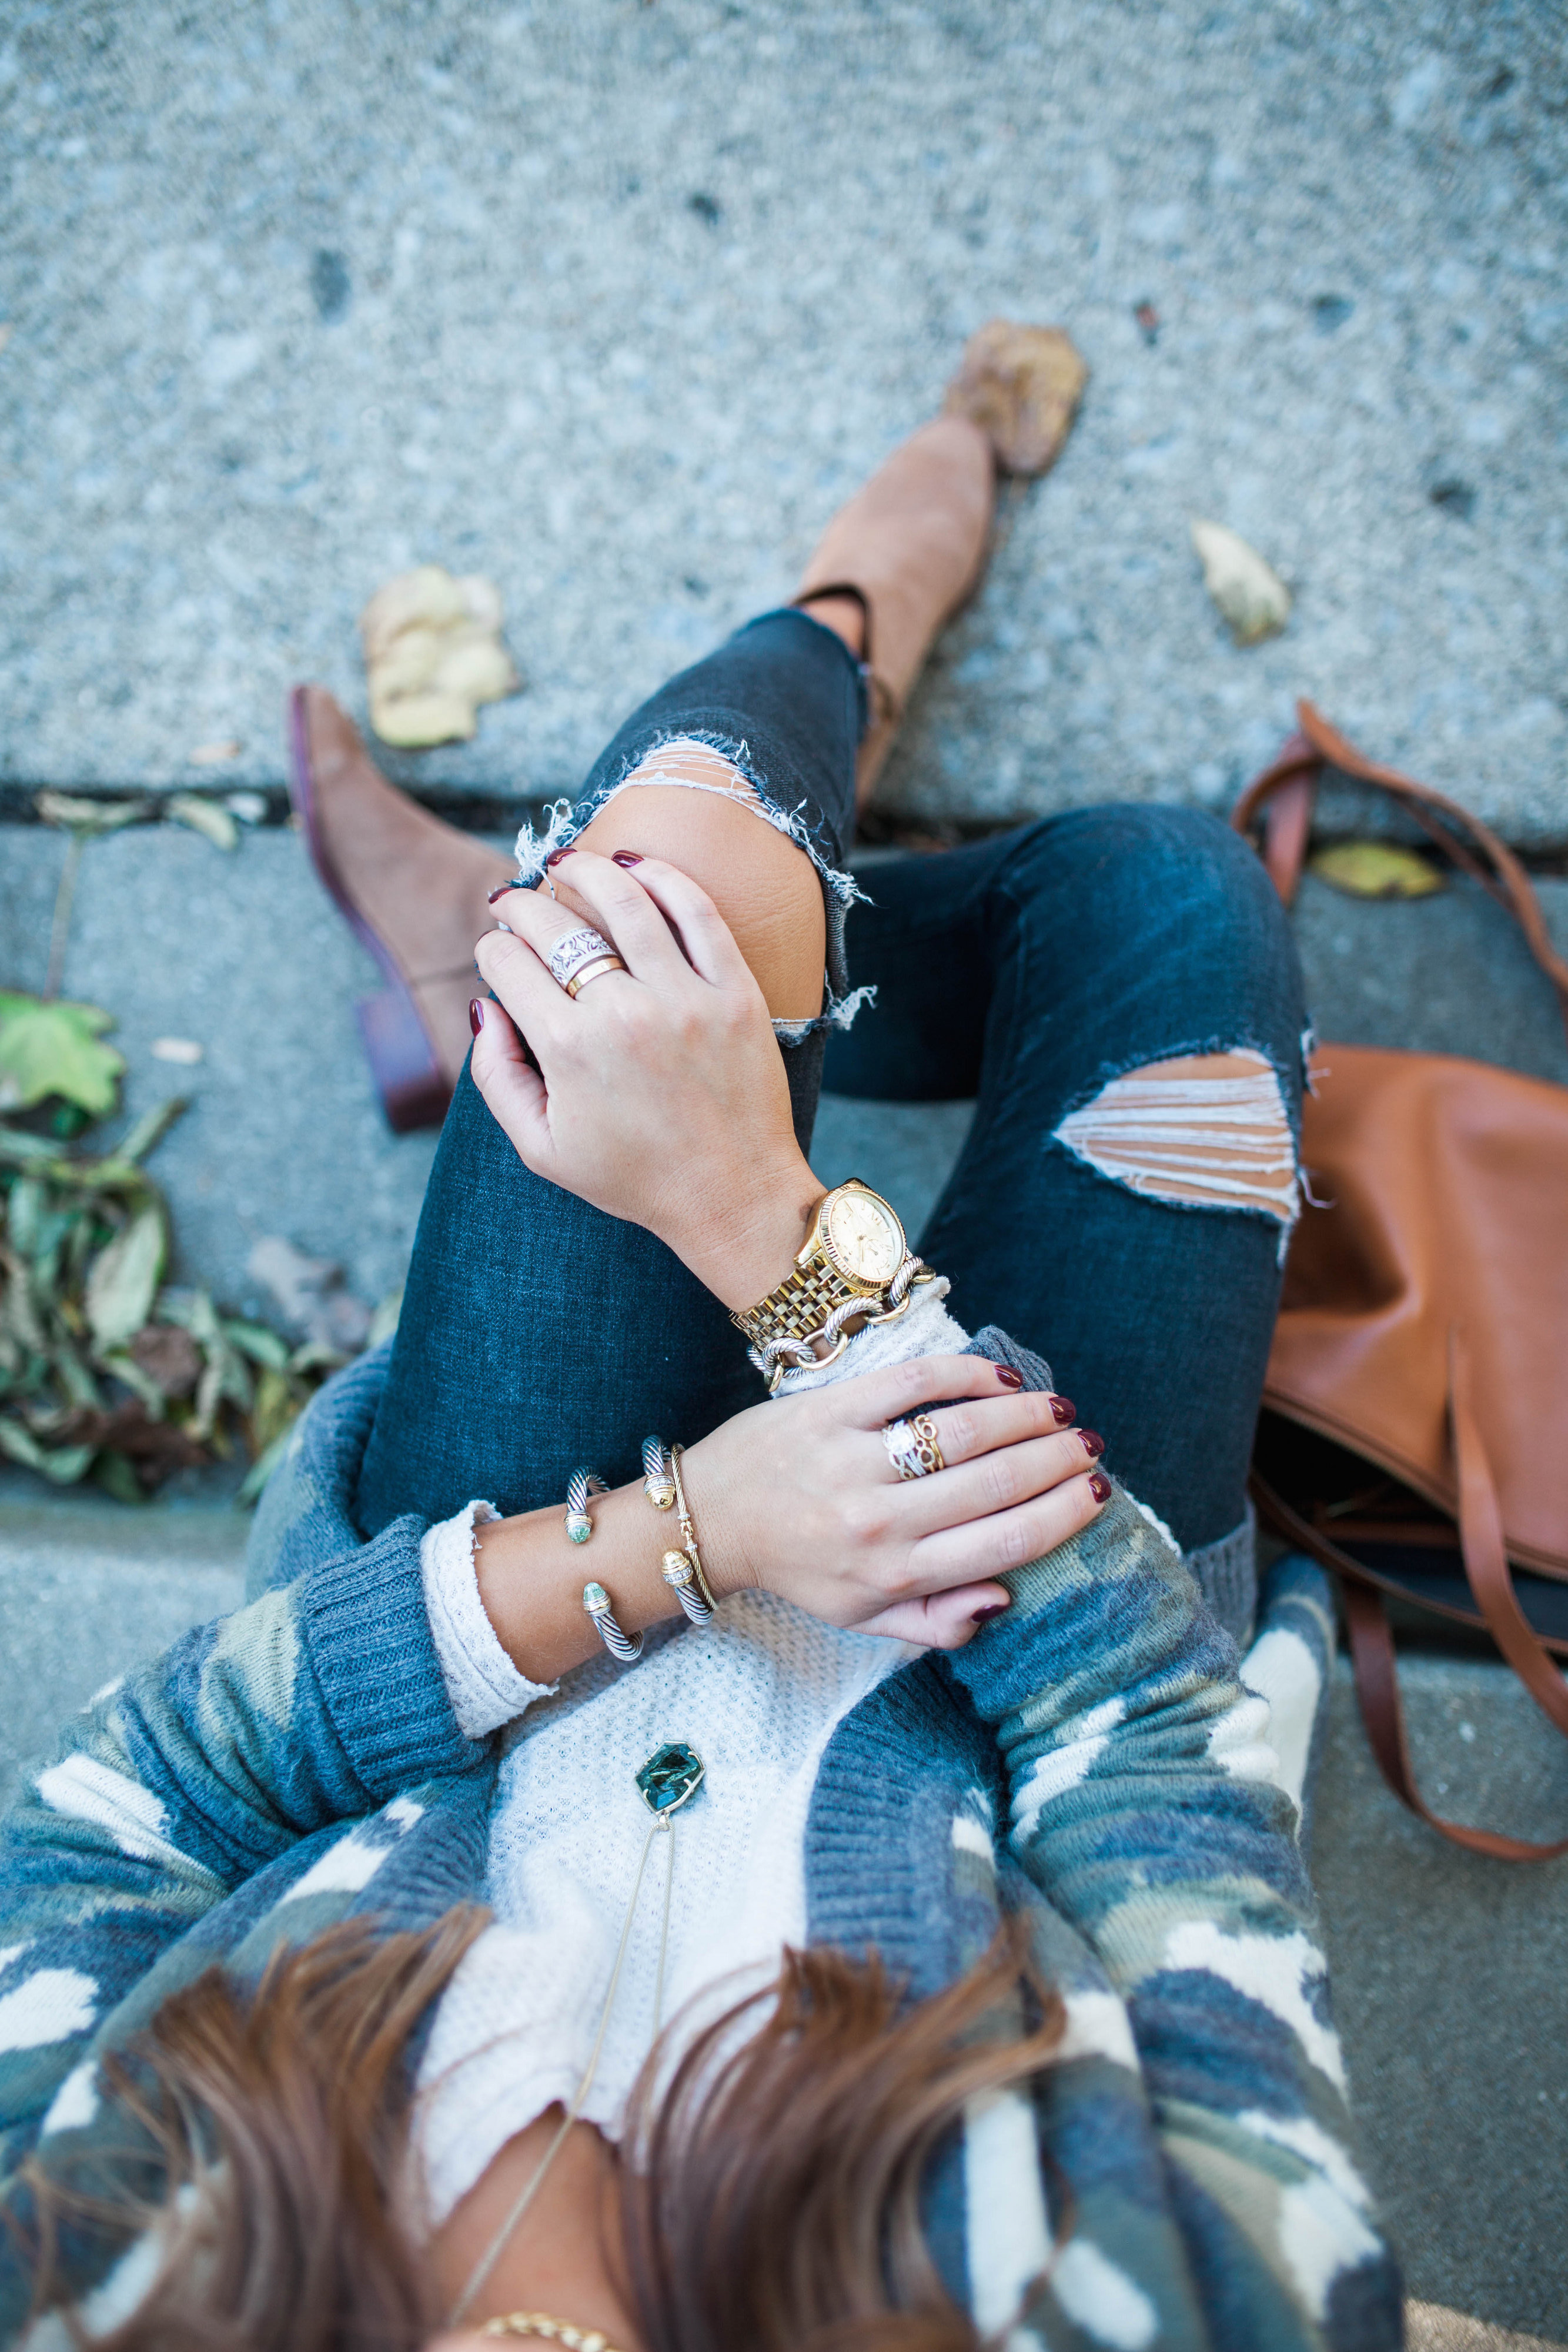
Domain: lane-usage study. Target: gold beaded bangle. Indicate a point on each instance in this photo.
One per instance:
(553, 2331)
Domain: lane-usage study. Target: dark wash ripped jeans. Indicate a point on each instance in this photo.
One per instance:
(538, 1334)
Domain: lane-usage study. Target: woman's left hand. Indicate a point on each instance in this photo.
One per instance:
(659, 1092)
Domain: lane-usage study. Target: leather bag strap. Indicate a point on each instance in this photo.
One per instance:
(1485, 1553)
(1377, 1690)
(1375, 1668)
(1283, 796)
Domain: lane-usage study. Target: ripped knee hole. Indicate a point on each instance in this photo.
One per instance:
(1209, 1130)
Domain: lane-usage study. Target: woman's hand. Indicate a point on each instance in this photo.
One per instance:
(799, 1497)
(659, 1093)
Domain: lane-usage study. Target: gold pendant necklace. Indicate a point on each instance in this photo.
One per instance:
(669, 1779)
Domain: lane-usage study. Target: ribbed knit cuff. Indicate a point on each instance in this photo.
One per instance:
(367, 1633)
(484, 1687)
(1226, 1574)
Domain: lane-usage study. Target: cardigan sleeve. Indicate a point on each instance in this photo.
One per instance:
(1146, 1807)
(311, 1707)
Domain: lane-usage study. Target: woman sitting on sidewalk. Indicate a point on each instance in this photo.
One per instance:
(920, 1799)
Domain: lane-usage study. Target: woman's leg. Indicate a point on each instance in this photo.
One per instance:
(537, 1333)
(1119, 988)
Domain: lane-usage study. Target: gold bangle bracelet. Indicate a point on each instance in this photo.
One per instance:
(688, 1532)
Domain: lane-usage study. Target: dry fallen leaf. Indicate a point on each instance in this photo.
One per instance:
(1376, 869)
(432, 654)
(1251, 597)
(177, 1049)
(75, 814)
(123, 1280)
(311, 1294)
(213, 755)
(209, 818)
(170, 1358)
(54, 1048)
(1023, 386)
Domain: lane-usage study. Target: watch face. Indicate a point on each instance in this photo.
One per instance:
(865, 1239)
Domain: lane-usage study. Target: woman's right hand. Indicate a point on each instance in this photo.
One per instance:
(799, 1497)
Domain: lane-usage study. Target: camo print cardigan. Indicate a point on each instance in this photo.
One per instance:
(1182, 2176)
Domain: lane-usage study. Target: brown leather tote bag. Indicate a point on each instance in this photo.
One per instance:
(1415, 1435)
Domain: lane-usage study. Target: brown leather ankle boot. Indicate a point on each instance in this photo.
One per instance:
(911, 547)
(413, 890)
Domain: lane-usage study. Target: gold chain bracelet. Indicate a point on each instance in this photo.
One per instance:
(553, 2331)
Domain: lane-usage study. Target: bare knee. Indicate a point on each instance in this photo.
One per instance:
(1203, 1130)
(687, 803)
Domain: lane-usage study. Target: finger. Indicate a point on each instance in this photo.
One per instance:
(1007, 1539)
(512, 1089)
(980, 1426)
(994, 1482)
(619, 907)
(942, 1620)
(703, 936)
(877, 1398)
(543, 922)
(510, 962)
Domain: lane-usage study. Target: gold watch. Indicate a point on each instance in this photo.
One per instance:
(852, 1250)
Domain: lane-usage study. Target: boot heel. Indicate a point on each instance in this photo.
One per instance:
(408, 1078)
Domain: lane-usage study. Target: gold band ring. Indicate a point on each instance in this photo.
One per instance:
(912, 1446)
(594, 971)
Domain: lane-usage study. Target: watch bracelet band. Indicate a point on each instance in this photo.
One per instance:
(776, 1359)
(797, 1308)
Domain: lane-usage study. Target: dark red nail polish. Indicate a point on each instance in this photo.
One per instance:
(557, 854)
(625, 858)
(1062, 1410)
(500, 891)
(991, 1608)
(1093, 1443)
(476, 1015)
(1099, 1486)
(1007, 1377)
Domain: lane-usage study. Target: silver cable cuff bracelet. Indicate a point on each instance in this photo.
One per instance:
(777, 1358)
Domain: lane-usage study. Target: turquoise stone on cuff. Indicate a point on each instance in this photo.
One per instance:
(595, 1599)
(672, 1774)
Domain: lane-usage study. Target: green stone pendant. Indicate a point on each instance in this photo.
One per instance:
(671, 1777)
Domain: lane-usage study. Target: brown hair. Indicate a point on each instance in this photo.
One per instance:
(774, 2205)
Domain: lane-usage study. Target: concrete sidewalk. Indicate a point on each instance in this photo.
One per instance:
(614, 302)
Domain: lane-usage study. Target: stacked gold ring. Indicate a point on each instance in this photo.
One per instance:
(594, 971)
(912, 1446)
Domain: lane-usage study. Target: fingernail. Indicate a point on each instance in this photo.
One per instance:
(625, 858)
(476, 1015)
(1099, 1486)
(991, 1608)
(557, 854)
(1062, 1410)
(1093, 1443)
(1007, 1377)
(500, 891)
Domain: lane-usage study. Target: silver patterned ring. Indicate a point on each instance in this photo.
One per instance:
(573, 953)
(912, 1446)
